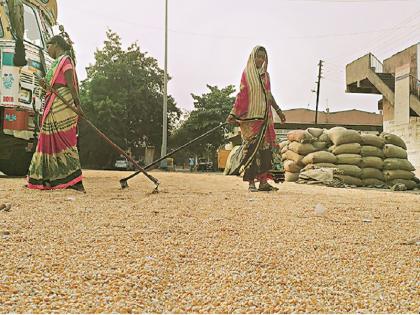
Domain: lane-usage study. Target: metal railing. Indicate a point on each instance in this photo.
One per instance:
(375, 64)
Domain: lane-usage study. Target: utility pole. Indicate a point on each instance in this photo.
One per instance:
(165, 94)
(317, 90)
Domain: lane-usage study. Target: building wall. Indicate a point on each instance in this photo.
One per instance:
(407, 56)
(410, 133)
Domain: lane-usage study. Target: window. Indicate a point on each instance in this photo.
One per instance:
(1, 30)
(32, 32)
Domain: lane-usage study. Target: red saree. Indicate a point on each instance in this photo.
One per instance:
(55, 163)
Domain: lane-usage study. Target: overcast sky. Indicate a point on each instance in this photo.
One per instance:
(210, 41)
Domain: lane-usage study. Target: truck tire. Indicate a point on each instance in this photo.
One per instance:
(17, 165)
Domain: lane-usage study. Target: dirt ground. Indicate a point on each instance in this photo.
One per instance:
(204, 244)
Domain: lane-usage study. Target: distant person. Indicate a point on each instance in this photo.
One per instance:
(55, 163)
(252, 111)
(191, 163)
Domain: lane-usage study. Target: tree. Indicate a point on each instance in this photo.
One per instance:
(210, 109)
(123, 96)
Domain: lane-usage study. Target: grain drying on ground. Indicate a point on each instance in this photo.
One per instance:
(205, 244)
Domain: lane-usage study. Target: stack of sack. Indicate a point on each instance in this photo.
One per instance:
(347, 150)
(396, 168)
(372, 161)
(303, 148)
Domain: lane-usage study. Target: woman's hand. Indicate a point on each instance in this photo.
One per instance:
(42, 83)
(281, 115)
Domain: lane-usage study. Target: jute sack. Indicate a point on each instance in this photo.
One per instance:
(350, 180)
(350, 170)
(353, 159)
(291, 177)
(339, 135)
(368, 150)
(299, 136)
(324, 137)
(373, 182)
(292, 166)
(349, 148)
(398, 164)
(301, 148)
(319, 165)
(283, 151)
(397, 174)
(283, 144)
(315, 132)
(371, 161)
(372, 173)
(293, 156)
(393, 139)
(319, 157)
(393, 151)
(320, 145)
(410, 184)
(373, 140)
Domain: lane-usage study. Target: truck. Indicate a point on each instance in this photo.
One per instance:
(21, 97)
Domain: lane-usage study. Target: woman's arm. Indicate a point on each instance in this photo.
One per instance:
(276, 107)
(70, 84)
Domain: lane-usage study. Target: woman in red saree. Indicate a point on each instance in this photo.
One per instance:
(55, 163)
(252, 109)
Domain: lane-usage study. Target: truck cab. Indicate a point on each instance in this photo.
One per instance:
(21, 97)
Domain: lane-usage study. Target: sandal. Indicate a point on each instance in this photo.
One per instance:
(252, 188)
(267, 187)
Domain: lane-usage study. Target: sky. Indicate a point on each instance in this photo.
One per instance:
(209, 41)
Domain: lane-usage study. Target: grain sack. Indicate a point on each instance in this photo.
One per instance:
(291, 177)
(353, 159)
(398, 164)
(373, 140)
(351, 181)
(284, 150)
(349, 148)
(324, 137)
(350, 170)
(393, 139)
(292, 166)
(372, 173)
(373, 182)
(283, 144)
(371, 161)
(319, 165)
(393, 151)
(397, 174)
(339, 135)
(320, 145)
(368, 150)
(301, 148)
(410, 184)
(299, 136)
(319, 157)
(293, 156)
(315, 132)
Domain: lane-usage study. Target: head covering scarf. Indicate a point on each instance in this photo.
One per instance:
(254, 105)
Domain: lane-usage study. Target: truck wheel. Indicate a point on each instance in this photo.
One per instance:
(17, 165)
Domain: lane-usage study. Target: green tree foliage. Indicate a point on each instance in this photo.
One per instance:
(123, 96)
(210, 109)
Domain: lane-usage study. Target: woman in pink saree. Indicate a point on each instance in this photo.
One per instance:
(252, 110)
(55, 163)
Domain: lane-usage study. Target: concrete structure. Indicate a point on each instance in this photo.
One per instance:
(397, 80)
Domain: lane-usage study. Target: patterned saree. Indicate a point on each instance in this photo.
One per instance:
(55, 163)
(252, 110)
